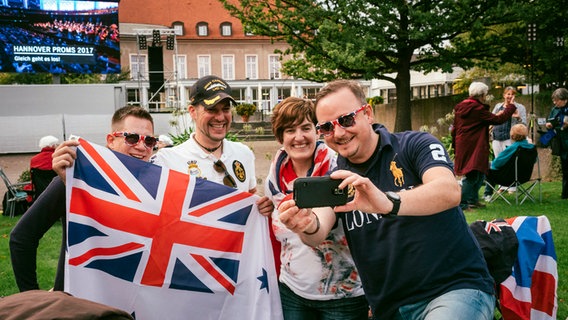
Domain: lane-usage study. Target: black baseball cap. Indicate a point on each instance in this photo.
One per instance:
(208, 91)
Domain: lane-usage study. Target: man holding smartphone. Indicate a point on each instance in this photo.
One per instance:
(411, 244)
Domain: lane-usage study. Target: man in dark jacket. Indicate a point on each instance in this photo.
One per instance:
(132, 134)
(470, 138)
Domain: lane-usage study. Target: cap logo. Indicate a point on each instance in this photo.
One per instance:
(215, 86)
(209, 91)
(211, 101)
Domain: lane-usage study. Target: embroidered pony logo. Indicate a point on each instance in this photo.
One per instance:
(397, 173)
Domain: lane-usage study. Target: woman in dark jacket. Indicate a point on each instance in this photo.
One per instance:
(558, 120)
(470, 138)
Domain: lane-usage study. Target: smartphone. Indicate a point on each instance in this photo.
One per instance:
(314, 192)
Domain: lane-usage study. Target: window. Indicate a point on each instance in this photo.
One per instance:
(202, 29)
(203, 66)
(138, 70)
(178, 28)
(274, 67)
(228, 65)
(181, 66)
(226, 29)
(251, 67)
(310, 93)
(391, 95)
(133, 97)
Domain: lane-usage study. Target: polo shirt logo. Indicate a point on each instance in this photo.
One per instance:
(397, 174)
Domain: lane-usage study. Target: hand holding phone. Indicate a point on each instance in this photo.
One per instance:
(314, 192)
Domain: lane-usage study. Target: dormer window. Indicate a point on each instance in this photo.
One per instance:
(202, 29)
(178, 28)
(226, 29)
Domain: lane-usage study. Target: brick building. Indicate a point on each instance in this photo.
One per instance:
(204, 39)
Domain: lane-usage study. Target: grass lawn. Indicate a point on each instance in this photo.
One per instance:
(552, 206)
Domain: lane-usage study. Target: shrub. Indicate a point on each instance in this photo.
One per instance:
(245, 109)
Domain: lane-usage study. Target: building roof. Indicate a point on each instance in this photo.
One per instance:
(190, 12)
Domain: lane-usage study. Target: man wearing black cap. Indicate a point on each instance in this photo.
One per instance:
(207, 154)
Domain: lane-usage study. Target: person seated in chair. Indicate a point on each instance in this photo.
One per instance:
(519, 133)
(40, 165)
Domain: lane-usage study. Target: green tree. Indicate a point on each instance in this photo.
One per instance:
(507, 74)
(543, 50)
(364, 39)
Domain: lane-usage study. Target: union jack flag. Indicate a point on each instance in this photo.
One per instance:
(159, 244)
(530, 292)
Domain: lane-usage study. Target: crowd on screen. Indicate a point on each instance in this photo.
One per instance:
(93, 29)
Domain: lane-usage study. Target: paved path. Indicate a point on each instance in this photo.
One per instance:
(15, 164)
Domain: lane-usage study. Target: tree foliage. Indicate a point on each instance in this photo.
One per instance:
(48, 78)
(370, 39)
(548, 51)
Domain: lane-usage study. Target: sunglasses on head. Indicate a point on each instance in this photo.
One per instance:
(345, 121)
(228, 180)
(132, 139)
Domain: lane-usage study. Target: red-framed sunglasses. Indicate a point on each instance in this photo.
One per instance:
(345, 121)
(132, 139)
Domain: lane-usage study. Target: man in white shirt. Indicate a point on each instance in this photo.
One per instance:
(207, 154)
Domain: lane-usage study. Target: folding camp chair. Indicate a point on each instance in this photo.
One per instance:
(516, 173)
(14, 194)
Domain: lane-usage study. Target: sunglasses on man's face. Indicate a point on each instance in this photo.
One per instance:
(132, 139)
(228, 180)
(345, 121)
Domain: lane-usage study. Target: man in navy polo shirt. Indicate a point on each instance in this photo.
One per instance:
(415, 253)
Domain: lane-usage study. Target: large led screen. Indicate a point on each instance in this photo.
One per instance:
(59, 36)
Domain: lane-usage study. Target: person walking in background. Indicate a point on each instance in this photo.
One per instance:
(558, 121)
(470, 139)
(318, 282)
(132, 134)
(500, 133)
(207, 154)
(40, 165)
(415, 253)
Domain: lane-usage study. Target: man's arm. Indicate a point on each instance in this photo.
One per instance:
(439, 191)
(25, 237)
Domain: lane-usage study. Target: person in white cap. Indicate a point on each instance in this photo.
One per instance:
(42, 160)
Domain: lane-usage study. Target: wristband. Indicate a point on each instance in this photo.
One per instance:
(317, 226)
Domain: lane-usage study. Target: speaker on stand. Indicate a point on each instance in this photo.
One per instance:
(156, 67)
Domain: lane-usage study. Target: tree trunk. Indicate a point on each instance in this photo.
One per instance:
(403, 117)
